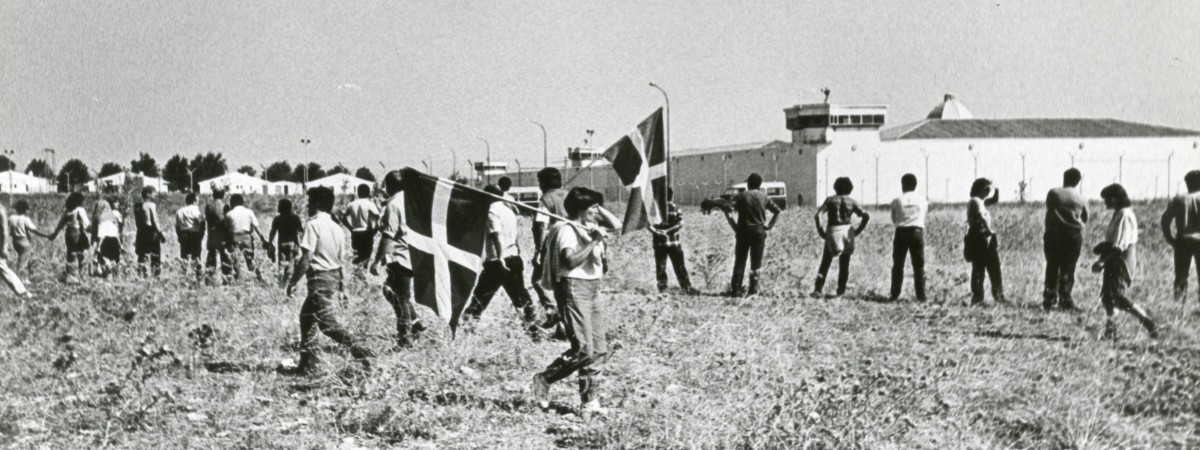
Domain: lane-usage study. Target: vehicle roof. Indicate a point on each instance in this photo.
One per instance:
(765, 184)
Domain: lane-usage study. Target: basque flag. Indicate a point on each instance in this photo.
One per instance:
(447, 224)
(640, 160)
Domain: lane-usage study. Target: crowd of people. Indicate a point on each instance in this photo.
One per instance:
(569, 261)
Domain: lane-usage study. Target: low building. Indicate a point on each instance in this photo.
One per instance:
(342, 184)
(234, 183)
(284, 188)
(13, 182)
(123, 180)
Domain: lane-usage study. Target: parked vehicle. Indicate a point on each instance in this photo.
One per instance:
(776, 191)
(527, 195)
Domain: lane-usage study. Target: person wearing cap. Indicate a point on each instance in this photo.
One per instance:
(908, 216)
(189, 229)
(361, 216)
(393, 255)
(1066, 216)
(1184, 212)
(322, 259)
(750, 229)
(241, 226)
(502, 265)
(981, 245)
(574, 270)
(665, 238)
(148, 242)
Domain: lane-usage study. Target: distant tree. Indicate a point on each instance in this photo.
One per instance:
(247, 170)
(364, 173)
(175, 172)
(73, 173)
(7, 164)
(278, 171)
(39, 168)
(145, 165)
(110, 168)
(208, 166)
(338, 169)
(315, 172)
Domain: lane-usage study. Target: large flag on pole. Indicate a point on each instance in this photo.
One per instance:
(640, 160)
(447, 229)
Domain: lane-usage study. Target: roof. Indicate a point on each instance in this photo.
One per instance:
(950, 109)
(339, 180)
(235, 177)
(1029, 129)
(19, 176)
(768, 145)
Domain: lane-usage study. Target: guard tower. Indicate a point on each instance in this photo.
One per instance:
(820, 123)
(833, 140)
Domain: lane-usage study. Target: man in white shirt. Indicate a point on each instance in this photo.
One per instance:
(393, 254)
(241, 225)
(361, 217)
(502, 266)
(908, 215)
(189, 228)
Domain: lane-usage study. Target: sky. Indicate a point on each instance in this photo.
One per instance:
(400, 82)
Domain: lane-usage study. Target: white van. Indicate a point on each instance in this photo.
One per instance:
(775, 190)
(527, 195)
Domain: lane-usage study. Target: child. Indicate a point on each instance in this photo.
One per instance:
(287, 227)
(108, 235)
(838, 233)
(9, 276)
(981, 246)
(20, 226)
(1118, 260)
(76, 223)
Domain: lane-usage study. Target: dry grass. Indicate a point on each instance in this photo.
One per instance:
(129, 365)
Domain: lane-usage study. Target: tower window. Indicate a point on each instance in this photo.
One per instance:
(856, 120)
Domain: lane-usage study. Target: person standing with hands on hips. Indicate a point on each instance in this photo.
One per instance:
(750, 230)
(838, 233)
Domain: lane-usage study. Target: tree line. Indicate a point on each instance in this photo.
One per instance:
(179, 171)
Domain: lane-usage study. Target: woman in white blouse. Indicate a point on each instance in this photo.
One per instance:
(1118, 260)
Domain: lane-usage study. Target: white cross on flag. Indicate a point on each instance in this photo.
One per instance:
(640, 160)
(447, 224)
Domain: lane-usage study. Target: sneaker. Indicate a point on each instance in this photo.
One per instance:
(539, 391)
(592, 409)
(816, 294)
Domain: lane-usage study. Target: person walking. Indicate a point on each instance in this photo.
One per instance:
(361, 216)
(10, 277)
(109, 225)
(1118, 261)
(1184, 212)
(189, 229)
(838, 234)
(750, 231)
(321, 261)
(148, 243)
(574, 267)
(551, 202)
(981, 245)
(1066, 215)
(908, 216)
(76, 224)
(505, 183)
(241, 226)
(393, 255)
(285, 234)
(502, 266)
(20, 227)
(665, 238)
(214, 218)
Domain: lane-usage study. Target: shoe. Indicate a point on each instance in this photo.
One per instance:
(1110, 331)
(816, 294)
(1151, 328)
(691, 291)
(1068, 306)
(893, 299)
(539, 391)
(1047, 305)
(591, 409)
(1000, 298)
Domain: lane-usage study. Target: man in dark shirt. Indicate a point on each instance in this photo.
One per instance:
(751, 229)
(286, 227)
(1066, 214)
(148, 243)
(1184, 211)
(214, 217)
(666, 245)
(550, 182)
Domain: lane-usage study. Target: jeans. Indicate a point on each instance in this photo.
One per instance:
(190, 244)
(317, 314)
(361, 242)
(1186, 250)
(675, 254)
(989, 262)
(397, 290)
(512, 280)
(586, 327)
(750, 242)
(218, 252)
(244, 244)
(149, 251)
(548, 304)
(1061, 248)
(909, 241)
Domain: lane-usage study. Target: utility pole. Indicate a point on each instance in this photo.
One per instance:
(545, 147)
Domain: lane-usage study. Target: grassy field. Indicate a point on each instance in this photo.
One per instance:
(127, 364)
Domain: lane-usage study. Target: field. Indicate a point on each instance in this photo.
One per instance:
(126, 364)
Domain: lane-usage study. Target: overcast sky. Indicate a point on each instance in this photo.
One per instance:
(396, 81)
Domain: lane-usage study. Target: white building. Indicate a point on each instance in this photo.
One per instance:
(341, 183)
(13, 182)
(284, 188)
(946, 151)
(234, 183)
(120, 180)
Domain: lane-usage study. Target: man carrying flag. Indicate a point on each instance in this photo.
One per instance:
(393, 252)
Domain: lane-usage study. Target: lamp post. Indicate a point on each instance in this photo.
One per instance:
(975, 156)
(1121, 167)
(1024, 186)
(521, 171)
(1074, 152)
(488, 163)
(305, 142)
(1172, 155)
(545, 148)
(926, 153)
(724, 169)
(876, 176)
(11, 167)
(191, 179)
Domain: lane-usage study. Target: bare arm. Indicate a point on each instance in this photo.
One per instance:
(817, 221)
(862, 225)
(774, 218)
(62, 223)
(299, 271)
(729, 219)
(575, 258)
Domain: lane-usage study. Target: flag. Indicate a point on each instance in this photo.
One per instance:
(640, 160)
(447, 230)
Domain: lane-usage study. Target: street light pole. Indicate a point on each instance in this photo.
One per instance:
(876, 176)
(1121, 167)
(545, 147)
(521, 172)
(926, 153)
(487, 166)
(971, 148)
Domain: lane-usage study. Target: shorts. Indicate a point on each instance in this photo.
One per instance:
(76, 240)
(110, 249)
(839, 239)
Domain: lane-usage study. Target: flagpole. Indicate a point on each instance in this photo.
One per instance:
(505, 200)
(666, 144)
